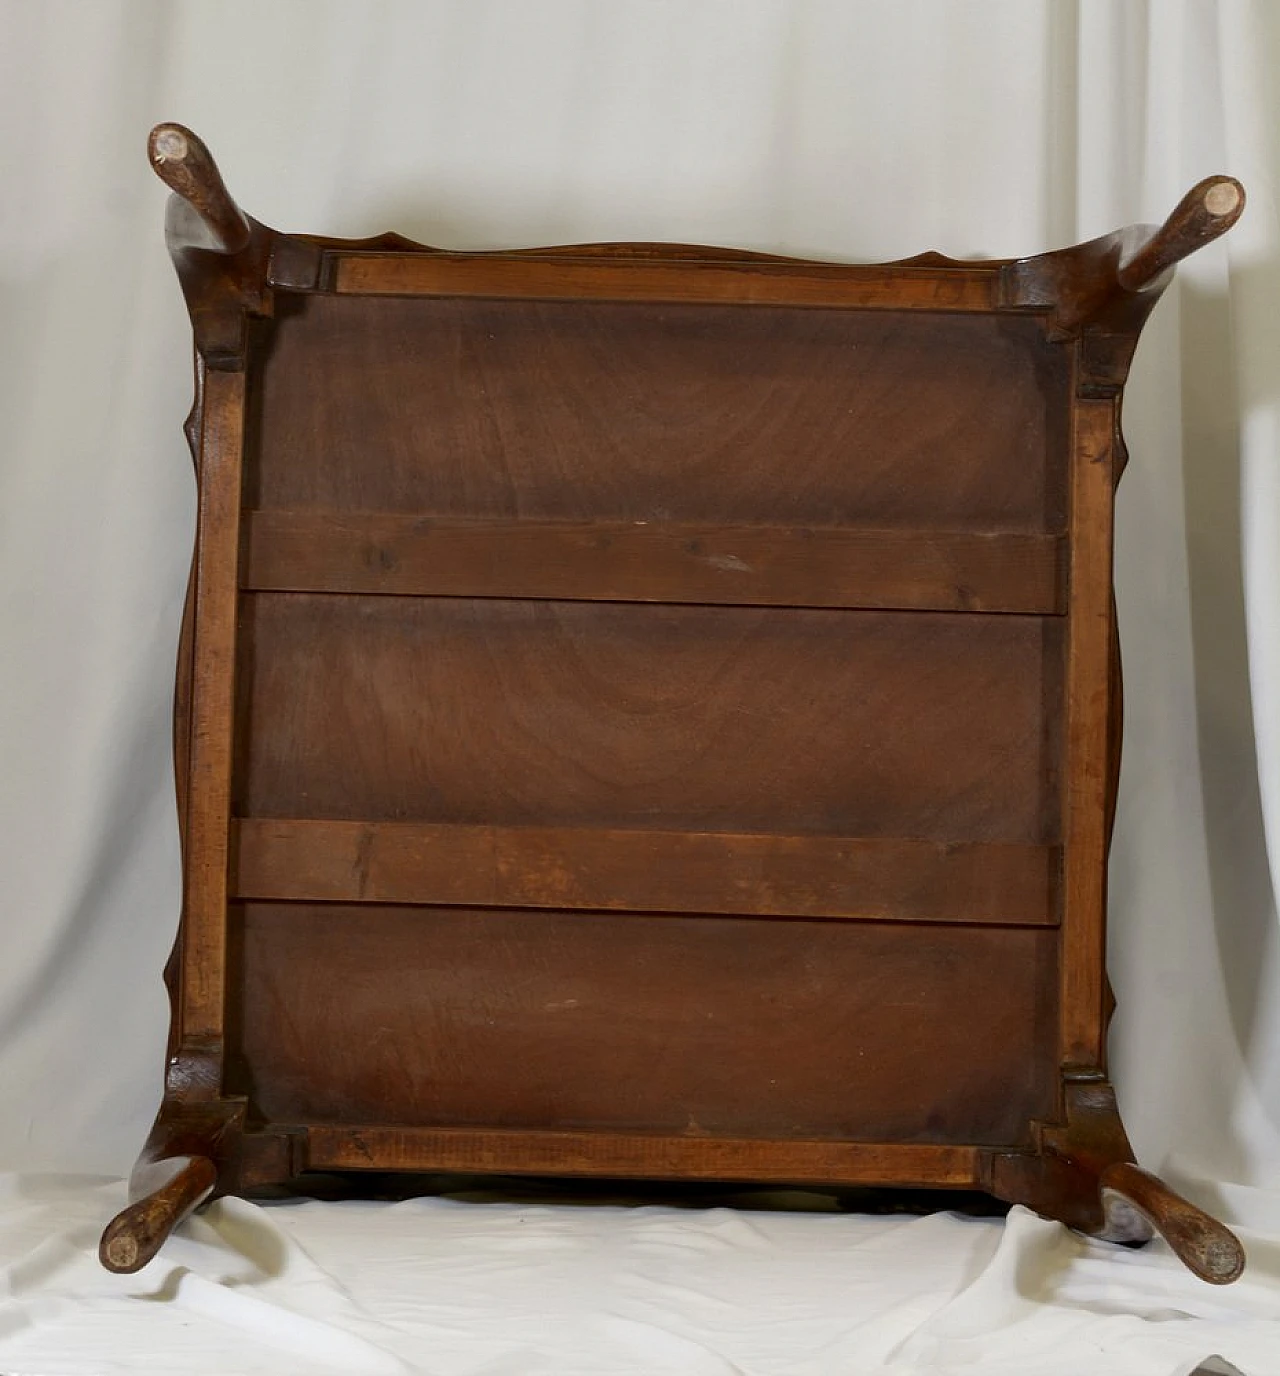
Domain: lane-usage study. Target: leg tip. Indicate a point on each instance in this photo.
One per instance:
(1133, 1197)
(119, 1250)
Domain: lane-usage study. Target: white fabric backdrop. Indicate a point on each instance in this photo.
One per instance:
(848, 128)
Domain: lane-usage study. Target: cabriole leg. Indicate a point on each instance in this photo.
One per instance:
(1083, 1173)
(1135, 1203)
(164, 1193)
(176, 1173)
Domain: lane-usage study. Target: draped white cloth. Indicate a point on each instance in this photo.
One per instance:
(847, 128)
(484, 1287)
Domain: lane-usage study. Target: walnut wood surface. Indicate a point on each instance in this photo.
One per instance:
(1136, 1202)
(1088, 727)
(133, 1238)
(460, 275)
(175, 1174)
(183, 163)
(673, 1025)
(514, 713)
(1209, 209)
(604, 412)
(640, 1157)
(207, 814)
(650, 709)
(600, 561)
(647, 871)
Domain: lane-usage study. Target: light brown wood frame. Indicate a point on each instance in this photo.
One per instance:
(968, 928)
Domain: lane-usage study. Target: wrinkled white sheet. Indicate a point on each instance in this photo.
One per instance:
(446, 1286)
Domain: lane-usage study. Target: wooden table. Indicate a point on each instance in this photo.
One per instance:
(651, 711)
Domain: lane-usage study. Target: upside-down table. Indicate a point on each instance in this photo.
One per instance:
(651, 711)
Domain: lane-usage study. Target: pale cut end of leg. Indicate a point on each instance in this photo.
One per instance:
(1222, 198)
(168, 144)
(136, 1234)
(119, 1254)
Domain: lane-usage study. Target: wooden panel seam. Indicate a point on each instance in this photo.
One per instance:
(880, 879)
(392, 554)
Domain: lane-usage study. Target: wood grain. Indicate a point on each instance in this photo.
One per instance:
(203, 988)
(378, 552)
(573, 411)
(793, 284)
(183, 163)
(640, 1157)
(736, 719)
(677, 1026)
(650, 738)
(1136, 1202)
(1087, 770)
(1208, 210)
(647, 871)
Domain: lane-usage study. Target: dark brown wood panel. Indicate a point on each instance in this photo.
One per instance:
(616, 412)
(647, 871)
(379, 552)
(642, 1156)
(671, 1025)
(635, 716)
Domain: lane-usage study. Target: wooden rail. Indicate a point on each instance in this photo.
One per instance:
(646, 871)
(386, 553)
